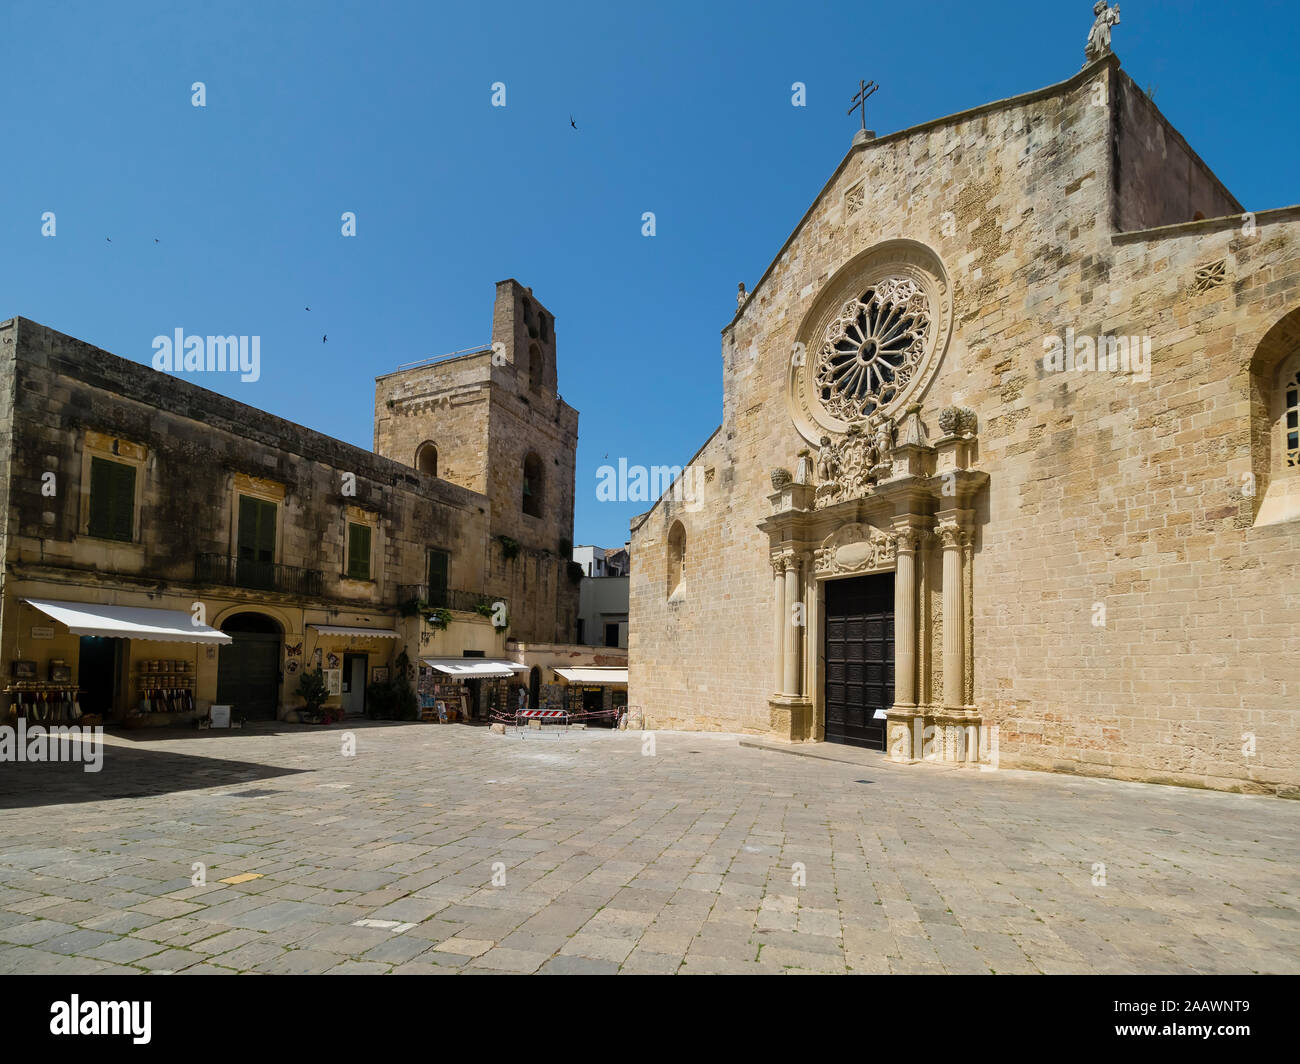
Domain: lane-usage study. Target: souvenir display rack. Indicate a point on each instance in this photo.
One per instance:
(166, 686)
(46, 702)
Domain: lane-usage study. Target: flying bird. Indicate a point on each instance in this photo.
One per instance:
(572, 122)
(155, 240)
(308, 309)
(323, 339)
(109, 239)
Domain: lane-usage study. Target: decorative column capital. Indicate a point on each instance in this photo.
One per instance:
(907, 539)
(783, 560)
(951, 535)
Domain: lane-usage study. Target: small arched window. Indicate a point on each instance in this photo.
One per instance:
(426, 459)
(1290, 417)
(533, 486)
(676, 556)
(535, 367)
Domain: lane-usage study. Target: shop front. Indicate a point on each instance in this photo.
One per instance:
(468, 689)
(596, 695)
(352, 657)
(72, 661)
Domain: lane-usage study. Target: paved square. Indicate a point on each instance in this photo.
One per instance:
(443, 849)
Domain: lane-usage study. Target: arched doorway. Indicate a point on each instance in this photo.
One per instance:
(248, 669)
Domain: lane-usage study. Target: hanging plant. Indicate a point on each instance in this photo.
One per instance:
(438, 619)
(509, 548)
(485, 608)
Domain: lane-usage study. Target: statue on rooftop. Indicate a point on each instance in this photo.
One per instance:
(1099, 39)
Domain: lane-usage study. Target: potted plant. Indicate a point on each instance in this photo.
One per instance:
(313, 690)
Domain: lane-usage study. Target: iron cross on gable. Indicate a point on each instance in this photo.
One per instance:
(866, 89)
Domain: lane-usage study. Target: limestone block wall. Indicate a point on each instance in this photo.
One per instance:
(445, 404)
(1104, 490)
(201, 449)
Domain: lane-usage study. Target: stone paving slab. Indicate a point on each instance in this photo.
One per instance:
(438, 850)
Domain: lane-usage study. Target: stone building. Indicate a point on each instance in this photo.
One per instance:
(1008, 468)
(160, 537)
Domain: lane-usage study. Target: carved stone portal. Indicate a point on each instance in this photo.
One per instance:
(855, 549)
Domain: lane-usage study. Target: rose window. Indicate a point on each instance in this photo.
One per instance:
(872, 348)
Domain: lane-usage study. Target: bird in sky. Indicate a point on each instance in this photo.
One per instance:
(323, 339)
(308, 309)
(109, 239)
(155, 240)
(572, 122)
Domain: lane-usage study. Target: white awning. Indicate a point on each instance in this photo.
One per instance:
(475, 668)
(594, 675)
(356, 633)
(129, 622)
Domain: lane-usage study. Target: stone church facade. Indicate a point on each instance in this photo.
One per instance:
(1008, 470)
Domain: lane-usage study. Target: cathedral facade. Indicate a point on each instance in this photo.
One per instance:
(1008, 470)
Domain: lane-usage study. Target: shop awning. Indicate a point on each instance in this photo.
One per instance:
(355, 633)
(475, 668)
(129, 622)
(594, 675)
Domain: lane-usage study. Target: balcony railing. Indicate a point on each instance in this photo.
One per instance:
(445, 598)
(257, 576)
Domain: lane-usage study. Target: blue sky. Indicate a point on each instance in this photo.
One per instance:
(683, 109)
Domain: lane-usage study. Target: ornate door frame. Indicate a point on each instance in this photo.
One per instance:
(883, 500)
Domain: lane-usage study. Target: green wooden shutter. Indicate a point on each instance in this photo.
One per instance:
(256, 529)
(438, 566)
(255, 548)
(359, 552)
(112, 500)
(123, 502)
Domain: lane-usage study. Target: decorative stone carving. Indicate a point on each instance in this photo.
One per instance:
(872, 341)
(950, 534)
(1099, 37)
(855, 549)
(780, 478)
(872, 348)
(911, 432)
(957, 421)
(906, 540)
(803, 469)
(851, 468)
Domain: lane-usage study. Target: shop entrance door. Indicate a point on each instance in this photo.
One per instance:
(859, 659)
(97, 673)
(354, 684)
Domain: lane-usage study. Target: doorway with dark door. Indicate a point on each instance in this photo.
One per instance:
(354, 684)
(248, 667)
(99, 672)
(859, 659)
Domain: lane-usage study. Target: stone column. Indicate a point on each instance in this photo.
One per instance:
(954, 624)
(791, 687)
(778, 627)
(812, 627)
(905, 620)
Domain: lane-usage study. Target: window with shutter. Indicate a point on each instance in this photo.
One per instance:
(439, 566)
(358, 551)
(256, 547)
(112, 500)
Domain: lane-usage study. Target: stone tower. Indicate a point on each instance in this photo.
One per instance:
(492, 421)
